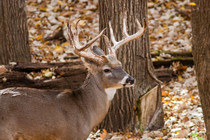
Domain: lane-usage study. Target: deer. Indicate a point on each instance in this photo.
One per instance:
(41, 114)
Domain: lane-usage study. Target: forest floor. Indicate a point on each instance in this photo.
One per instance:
(169, 30)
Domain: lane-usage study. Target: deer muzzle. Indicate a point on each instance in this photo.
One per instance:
(130, 81)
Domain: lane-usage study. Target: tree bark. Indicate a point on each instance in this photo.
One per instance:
(201, 54)
(13, 32)
(136, 59)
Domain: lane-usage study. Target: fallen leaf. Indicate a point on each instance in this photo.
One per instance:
(183, 133)
(192, 4)
(165, 93)
(4, 79)
(2, 69)
(104, 134)
(59, 49)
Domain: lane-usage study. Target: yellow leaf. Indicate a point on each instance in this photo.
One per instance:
(168, 4)
(161, 30)
(65, 44)
(180, 78)
(43, 9)
(46, 43)
(59, 49)
(37, 18)
(165, 25)
(41, 47)
(61, 3)
(192, 4)
(39, 37)
(166, 102)
(82, 23)
(182, 7)
(71, 8)
(38, 23)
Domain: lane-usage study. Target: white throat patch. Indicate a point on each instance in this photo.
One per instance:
(110, 93)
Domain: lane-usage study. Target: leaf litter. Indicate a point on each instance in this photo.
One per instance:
(169, 29)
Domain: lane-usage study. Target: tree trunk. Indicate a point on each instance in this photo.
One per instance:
(201, 54)
(13, 32)
(135, 57)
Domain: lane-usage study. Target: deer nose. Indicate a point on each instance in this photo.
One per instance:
(130, 80)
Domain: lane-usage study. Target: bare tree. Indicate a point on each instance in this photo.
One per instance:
(201, 54)
(140, 106)
(13, 34)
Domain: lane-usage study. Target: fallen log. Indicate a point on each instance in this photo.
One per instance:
(164, 74)
(173, 54)
(65, 75)
(186, 61)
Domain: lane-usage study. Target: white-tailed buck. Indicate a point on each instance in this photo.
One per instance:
(33, 114)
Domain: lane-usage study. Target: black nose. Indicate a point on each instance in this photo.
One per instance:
(130, 80)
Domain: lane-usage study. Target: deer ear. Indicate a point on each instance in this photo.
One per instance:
(98, 51)
(90, 63)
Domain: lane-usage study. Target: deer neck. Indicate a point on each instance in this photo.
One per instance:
(95, 97)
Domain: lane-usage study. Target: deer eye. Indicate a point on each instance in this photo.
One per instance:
(107, 70)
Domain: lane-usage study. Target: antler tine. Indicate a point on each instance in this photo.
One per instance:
(112, 34)
(89, 43)
(108, 44)
(128, 37)
(70, 35)
(125, 33)
(140, 27)
(74, 39)
(77, 31)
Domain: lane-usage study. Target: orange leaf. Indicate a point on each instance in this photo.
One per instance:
(39, 37)
(104, 134)
(66, 44)
(165, 93)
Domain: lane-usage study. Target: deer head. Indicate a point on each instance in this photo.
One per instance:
(106, 66)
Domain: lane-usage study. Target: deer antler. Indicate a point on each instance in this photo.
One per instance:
(79, 49)
(127, 38)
